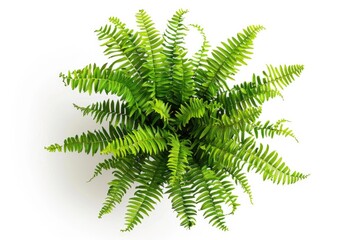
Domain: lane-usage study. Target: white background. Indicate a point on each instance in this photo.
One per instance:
(45, 195)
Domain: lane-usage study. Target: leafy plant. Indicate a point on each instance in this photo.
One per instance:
(175, 126)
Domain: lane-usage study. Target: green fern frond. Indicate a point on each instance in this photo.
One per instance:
(147, 193)
(124, 46)
(178, 158)
(209, 195)
(240, 179)
(224, 157)
(107, 164)
(173, 40)
(54, 148)
(268, 129)
(183, 86)
(269, 164)
(124, 174)
(115, 112)
(199, 60)
(148, 140)
(220, 154)
(280, 77)
(174, 33)
(227, 127)
(152, 43)
(235, 155)
(226, 60)
(183, 202)
(234, 126)
(246, 95)
(89, 142)
(227, 188)
(95, 79)
(256, 92)
(113, 163)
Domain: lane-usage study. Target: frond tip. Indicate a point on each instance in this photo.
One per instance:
(227, 59)
(269, 164)
(268, 129)
(54, 147)
(183, 202)
(115, 112)
(174, 125)
(88, 142)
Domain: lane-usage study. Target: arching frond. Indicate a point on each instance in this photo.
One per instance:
(147, 193)
(148, 140)
(115, 163)
(89, 142)
(235, 155)
(183, 83)
(107, 164)
(269, 164)
(280, 77)
(152, 43)
(178, 158)
(125, 174)
(174, 33)
(234, 126)
(124, 46)
(240, 179)
(246, 95)
(199, 61)
(269, 129)
(259, 90)
(54, 148)
(209, 195)
(183, 202)
(115, 112)
(102, 79)
(223, 155)
(173, 40)
(227, 188)
(226, 60)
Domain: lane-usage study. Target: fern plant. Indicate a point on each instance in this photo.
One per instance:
(175, 127)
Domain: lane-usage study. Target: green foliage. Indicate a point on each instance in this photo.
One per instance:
(125, 172)
(269, 130)
(113, 112)
(183, 202)
(199, 61)
(225, 60)
(89, 142)
(178, 162)
(175, 126)
(151, 180)
(209, 195)
(147, 140)
(195, 108)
